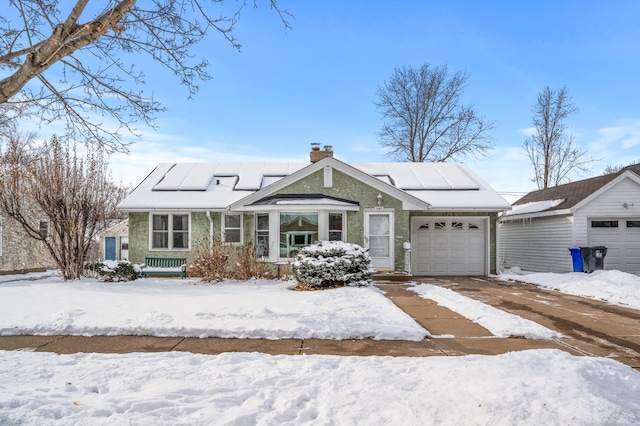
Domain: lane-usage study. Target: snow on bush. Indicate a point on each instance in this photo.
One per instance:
(116, 270)
(332, 263)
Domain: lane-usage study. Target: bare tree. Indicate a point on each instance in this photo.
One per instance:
(73, 193)
(424, 119)
(615, 168)
(76, 60)
(552, 153)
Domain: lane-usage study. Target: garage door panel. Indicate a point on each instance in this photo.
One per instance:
(441, 239)
(622, 242)
(476, 239)
(458, 254)
(440, 254)
(448, 246)
(633, 252)
(458, 268)
(441, 268)
(457, 240)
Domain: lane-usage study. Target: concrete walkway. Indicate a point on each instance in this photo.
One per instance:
(591, 327)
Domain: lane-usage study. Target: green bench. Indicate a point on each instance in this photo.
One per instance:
(165, 266)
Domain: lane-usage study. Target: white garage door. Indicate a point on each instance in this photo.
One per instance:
(448, 246)
(622, 239)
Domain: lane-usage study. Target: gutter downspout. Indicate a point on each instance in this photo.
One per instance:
(208, 213)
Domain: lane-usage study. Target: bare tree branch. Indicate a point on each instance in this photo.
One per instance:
(553, 155)
(425, 119)
(73, 192)
(93, 47)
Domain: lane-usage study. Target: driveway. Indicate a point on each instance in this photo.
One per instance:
(591, 327)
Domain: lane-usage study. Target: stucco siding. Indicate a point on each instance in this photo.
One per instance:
(139, 236)
(20, 253)
(346, 187)
(539, 244)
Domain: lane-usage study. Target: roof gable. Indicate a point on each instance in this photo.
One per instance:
(409, 202)
(571, 196)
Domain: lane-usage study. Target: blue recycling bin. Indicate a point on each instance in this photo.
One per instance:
(576, 256)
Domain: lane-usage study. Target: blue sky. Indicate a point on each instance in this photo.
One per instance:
(317, 81)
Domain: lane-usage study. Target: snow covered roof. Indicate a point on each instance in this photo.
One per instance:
(565, 198)
(534, 207)
(216, 186)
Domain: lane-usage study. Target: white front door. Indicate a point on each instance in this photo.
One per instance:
(378, 238)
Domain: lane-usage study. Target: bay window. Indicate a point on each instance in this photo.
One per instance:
(297, 230)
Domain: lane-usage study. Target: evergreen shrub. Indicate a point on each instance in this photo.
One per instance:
(115, 270)
(332, 264)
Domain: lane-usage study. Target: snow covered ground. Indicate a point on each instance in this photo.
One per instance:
(611, 286)
(185, 307)
(529, 387)
(541, 387)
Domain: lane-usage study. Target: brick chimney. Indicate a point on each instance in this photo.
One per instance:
(317, 155)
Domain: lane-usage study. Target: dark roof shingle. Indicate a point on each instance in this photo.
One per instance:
(573, 192)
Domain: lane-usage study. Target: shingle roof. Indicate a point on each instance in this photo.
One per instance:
(574, 192)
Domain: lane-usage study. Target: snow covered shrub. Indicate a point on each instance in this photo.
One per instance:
(115, 270)
(331, 264)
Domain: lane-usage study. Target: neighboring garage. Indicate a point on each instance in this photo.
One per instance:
(449, 246)
(601, 211)
(622, 238)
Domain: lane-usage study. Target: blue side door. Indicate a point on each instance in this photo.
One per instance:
(110, 248)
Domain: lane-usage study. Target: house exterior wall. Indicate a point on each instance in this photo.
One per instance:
(346, 187)
(139, 236)
(20, 253)
(608, 205)
(493, 217)
(343, 186)
(538, 244)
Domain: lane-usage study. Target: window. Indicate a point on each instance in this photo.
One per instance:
(169, 231)
(160, 231)
(232, 232)
(297, 230)
(604, 223)
(440, 225)
(44, 229)
(473, 226)
(181, 231)
(457, 225)
(262, 234)
(633, 224)
(335, 227)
